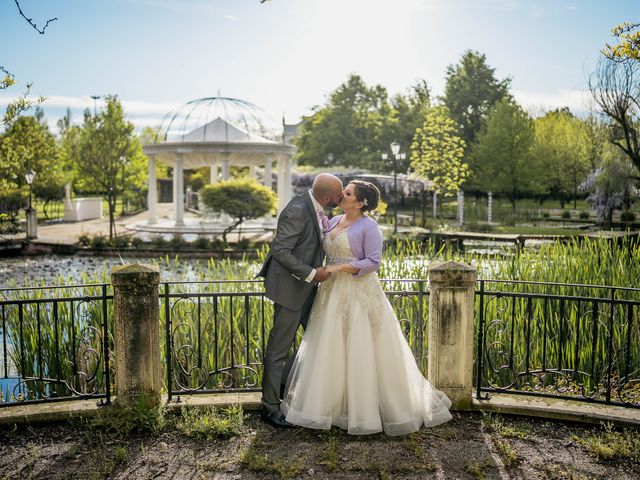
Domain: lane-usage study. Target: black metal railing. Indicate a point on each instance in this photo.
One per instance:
(216, 332)
(56, 343)
(577, 342)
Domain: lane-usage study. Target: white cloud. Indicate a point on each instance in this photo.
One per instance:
(578, 101)
(231, 17)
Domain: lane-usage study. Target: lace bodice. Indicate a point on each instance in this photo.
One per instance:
(337, 250)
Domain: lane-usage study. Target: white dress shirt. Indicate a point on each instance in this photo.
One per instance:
(316, 208)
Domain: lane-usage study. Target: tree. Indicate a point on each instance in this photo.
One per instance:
(242, 199)
(503, 151)
(611, 186)
(29, 145)
(471, 91)
(562, 144)
(628, 48)
(348, 129)
(437, 152)
(409, 110)
(96, 151)
(615, 87)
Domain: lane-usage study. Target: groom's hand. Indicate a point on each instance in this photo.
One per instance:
(321, 274)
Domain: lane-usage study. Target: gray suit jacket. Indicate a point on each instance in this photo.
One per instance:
(295, 251)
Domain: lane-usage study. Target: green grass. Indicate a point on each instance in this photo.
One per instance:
(208, 423)
(610, 444)
(496, 424)
(536, 230)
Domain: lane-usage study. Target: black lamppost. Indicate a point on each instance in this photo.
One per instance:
(95, 101)
(32, 220)
(123, 161)
(396, 155)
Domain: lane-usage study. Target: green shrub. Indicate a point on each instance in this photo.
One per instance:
(121, 242)
(218, 244)
(84, 240)
(177, 242)
(244, 244)
(627, 216)
(584, 215)
(546, 215)
(566, 214)
(99, 241)
(136, 242)
(242, 199)
(159, 241)
(202, 242)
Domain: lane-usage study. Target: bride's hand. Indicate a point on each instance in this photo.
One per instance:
(333, 268)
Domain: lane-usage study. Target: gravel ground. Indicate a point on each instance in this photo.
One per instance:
(469, 446)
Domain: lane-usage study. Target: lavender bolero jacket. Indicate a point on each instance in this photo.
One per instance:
(365, 240)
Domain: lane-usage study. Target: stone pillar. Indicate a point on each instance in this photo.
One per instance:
(179, 194)
(226, 173)
(268, 167)
(451, 309)
(32, 223)
(213, 174)
(152, 193)
(288, 188)
(137, 334)
(282, 202)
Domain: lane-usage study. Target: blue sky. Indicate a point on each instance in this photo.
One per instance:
(287, 55)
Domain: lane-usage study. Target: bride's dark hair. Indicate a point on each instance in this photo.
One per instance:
(368, 193)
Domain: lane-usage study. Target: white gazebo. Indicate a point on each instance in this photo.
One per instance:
(219, 133)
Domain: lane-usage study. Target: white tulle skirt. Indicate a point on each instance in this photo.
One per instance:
(355, 370)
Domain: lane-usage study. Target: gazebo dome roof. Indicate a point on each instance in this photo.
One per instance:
(219, 119)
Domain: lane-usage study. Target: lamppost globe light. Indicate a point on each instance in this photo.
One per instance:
(403, 156)
(30, 177)
(385, 156)
(395, 148)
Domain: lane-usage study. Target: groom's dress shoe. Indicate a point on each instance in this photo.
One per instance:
(275, 418)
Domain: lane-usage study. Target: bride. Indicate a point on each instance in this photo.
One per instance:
(354, 368)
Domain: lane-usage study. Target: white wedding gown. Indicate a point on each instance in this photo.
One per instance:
(354, 368)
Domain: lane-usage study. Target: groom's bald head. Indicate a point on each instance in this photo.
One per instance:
(327, 189)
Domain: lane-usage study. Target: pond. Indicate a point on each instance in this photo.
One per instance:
(46, 269)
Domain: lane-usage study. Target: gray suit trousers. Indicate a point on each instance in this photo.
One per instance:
(281, 337)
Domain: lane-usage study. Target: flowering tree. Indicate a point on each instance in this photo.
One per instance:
(437, 152)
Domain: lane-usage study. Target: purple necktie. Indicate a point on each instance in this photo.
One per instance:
(324, 220)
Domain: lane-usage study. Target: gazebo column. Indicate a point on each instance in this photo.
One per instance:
(179, 197)
(226, 174)
(253, 172)
(152, 192)
(288, 188)
(268, 167)
(213, 176)
(282, 202)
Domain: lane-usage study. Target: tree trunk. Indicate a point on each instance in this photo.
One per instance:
(112, 207)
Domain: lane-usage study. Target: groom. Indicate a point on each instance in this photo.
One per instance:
(292, 271)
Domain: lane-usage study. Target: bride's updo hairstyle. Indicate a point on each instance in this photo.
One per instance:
(368, 193)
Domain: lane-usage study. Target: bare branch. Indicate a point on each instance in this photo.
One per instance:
(615, 87)
(30, 20)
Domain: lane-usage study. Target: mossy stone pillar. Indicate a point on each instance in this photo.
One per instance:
(451, 309)
(137, 336)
